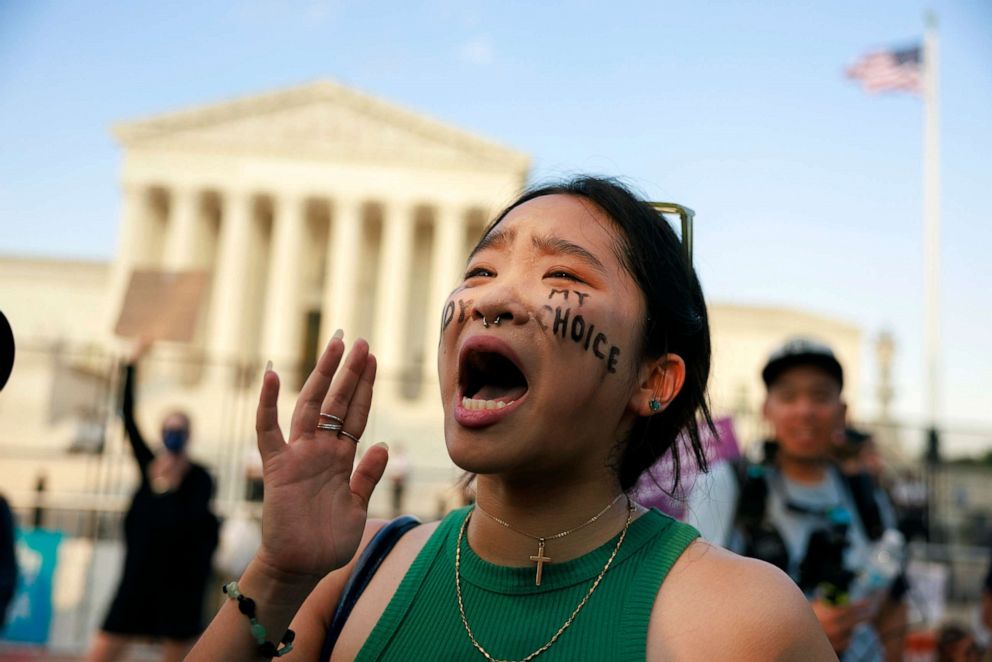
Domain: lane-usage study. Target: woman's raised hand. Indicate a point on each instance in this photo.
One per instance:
(316, 500)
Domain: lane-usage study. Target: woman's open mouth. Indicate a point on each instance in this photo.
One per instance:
(490, 382)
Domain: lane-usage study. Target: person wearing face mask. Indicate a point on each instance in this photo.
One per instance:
(573, 354)
(170, 535)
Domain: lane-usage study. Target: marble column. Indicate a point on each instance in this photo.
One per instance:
(136, 237)
(392, 298)
(181, 250)
(133, 246)
(183, 231)
(447, 262)
(226, 341)
(283, 318)
(344, 246)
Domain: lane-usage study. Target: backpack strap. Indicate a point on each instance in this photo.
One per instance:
(752, 488)
(370, 560)
(760, 539)
(861, 487)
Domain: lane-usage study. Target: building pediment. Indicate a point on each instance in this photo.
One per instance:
(321, 120)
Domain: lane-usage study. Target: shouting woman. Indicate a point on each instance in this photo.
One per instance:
(573, 355)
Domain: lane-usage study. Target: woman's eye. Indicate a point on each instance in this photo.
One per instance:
(479, 272)
(563, 275)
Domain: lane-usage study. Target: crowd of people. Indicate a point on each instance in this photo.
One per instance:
(553, 406)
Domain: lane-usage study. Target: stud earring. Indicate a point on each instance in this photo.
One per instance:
(654, 404)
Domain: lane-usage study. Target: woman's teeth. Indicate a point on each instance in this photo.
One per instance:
(471, 403)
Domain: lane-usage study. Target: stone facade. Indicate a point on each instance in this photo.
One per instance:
(310, 209)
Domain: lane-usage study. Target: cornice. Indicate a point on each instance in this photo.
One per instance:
(160, 127)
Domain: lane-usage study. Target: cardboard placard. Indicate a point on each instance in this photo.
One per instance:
(164, 305)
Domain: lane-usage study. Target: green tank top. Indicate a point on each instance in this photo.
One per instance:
(511, 617)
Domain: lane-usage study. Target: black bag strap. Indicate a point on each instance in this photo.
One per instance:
(752, 487)
(861, 487)
(752, 494)
(370, 560)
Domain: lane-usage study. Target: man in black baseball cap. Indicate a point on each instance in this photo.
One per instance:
(798, 511)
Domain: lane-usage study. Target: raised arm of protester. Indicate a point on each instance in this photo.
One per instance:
(142, 453)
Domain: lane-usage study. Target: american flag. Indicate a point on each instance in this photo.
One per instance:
(890, 71)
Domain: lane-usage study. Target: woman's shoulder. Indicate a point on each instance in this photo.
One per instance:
(413, 541)
(320, 606)
(714, 602)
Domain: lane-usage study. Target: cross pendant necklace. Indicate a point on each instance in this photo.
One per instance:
(540, 559)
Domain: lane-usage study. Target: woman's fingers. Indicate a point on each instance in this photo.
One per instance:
(307, 411)
(339, 397)
(369, 472)
(267, 416)
(361, 401)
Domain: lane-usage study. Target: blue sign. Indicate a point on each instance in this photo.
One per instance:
(30, 613)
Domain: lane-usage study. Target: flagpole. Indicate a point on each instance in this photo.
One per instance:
(931, 216)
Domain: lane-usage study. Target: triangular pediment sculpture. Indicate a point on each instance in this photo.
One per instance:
(322, 120)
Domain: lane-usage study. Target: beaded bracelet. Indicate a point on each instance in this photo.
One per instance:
(247, 607)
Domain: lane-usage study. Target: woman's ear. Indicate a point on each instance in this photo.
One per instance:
(661, 381)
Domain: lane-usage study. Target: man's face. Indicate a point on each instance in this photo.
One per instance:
(805, 411)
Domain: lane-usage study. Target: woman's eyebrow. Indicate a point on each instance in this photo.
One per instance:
(496, 239)
(551, 245)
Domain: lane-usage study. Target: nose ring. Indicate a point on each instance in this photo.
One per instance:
(485, 322)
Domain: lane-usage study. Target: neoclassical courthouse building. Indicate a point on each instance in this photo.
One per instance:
(306, 210)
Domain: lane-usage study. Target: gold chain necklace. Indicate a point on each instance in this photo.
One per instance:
(540, 559)
(582, 603)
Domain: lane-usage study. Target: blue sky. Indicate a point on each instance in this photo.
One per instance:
(808, 191)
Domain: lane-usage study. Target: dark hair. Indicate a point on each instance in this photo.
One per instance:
(179, 413)
(676, 320)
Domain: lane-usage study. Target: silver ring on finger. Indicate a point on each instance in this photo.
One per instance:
(332, 417)
(330, 427)
(342, 433)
